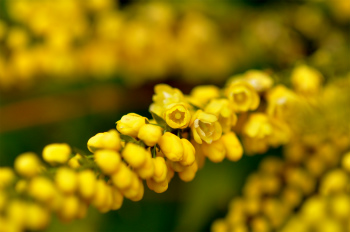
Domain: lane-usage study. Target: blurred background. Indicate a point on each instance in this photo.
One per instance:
(72, 68)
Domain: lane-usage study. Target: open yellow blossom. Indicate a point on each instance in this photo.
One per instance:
(202, 94)
(56, 153)
(177, 115)
(205, 127)
(260, 80)
(150, 134)
(306, 80)
(242, 96)
(171, 146)
(130, 124)
(222, 109)
(258, 126)
(27, 164)
(106, 140)
(166, 95)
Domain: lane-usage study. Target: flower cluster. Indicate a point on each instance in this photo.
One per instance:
(156, 39)
(186, 130)
(308, 189)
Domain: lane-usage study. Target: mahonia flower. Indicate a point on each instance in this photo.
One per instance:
(233, 147)
(164, 96)
(243, 96)
(205, 127)
(27, 164)
(105, 140)
(57, 153)
(223, 110)
(259, 80)
(177, 116)
(306, 80)
(171, 146)
(150, 134)
(130, 124)
(201, 95)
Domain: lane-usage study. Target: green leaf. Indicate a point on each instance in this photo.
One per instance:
(160, 121)
(128, 139)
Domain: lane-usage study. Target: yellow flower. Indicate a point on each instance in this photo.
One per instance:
(189, 153)
(258, 126)
(189, 172)
(130, 124)
(171, 146)
(86, 184)
(118, 199)
(177, 116)
(56, 153)
(37, 217)
(100, 198)
(233, 147)
(66, 180)
(123, 177)
(306, 80)
(106, 140)
(107, 160)
(160, 169)
(147, 169)
(242, 96)
(200, 95)
(134, 155)
(27, 164)
(158, 187)
(223, 110)
(345, 162)
(42, 189)
(74, 161)
(165, 95)
(69, 208)
(260, 81)
(6, 176)
(214, 151)
(205, 127)
(150, 134)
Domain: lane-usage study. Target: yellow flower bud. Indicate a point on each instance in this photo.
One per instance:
(242, 96)
(74, 161)
(108, 201)
(219, 225)
(177, 116)
(123, 177)
(260, 81)
(42, 189)
(200, 157)
(189, 153)
(100, 198)
(69, 208)
(170, 172)
(56, 153)
(37, 217)
(6, 176)
(150, 134)
(157, 187)
(133, 189)
(140, 192)
(233, 147)
(106, 140)
(147, 169)
(306, 80)
(171, 146)
(86, 184)
(215, 151)
(107, 160)
(160, 169)
(340, 206)
(118, 199)
(258, 126)
(166, 95)
(334, 182)
(17, 212)
(314, 210)
(134, 154)
(205, 127)
(223, 110)
(189, 172)
(66, 180)
(345, 162)
(27, 164)
(200, 95)
(3, 200)
(130, 124)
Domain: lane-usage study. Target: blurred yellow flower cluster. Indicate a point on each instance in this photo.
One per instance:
(158, 40)
(309, 188)
(184, 131)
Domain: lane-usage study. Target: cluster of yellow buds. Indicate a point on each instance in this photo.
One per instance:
(309, 188)
(141, 42)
